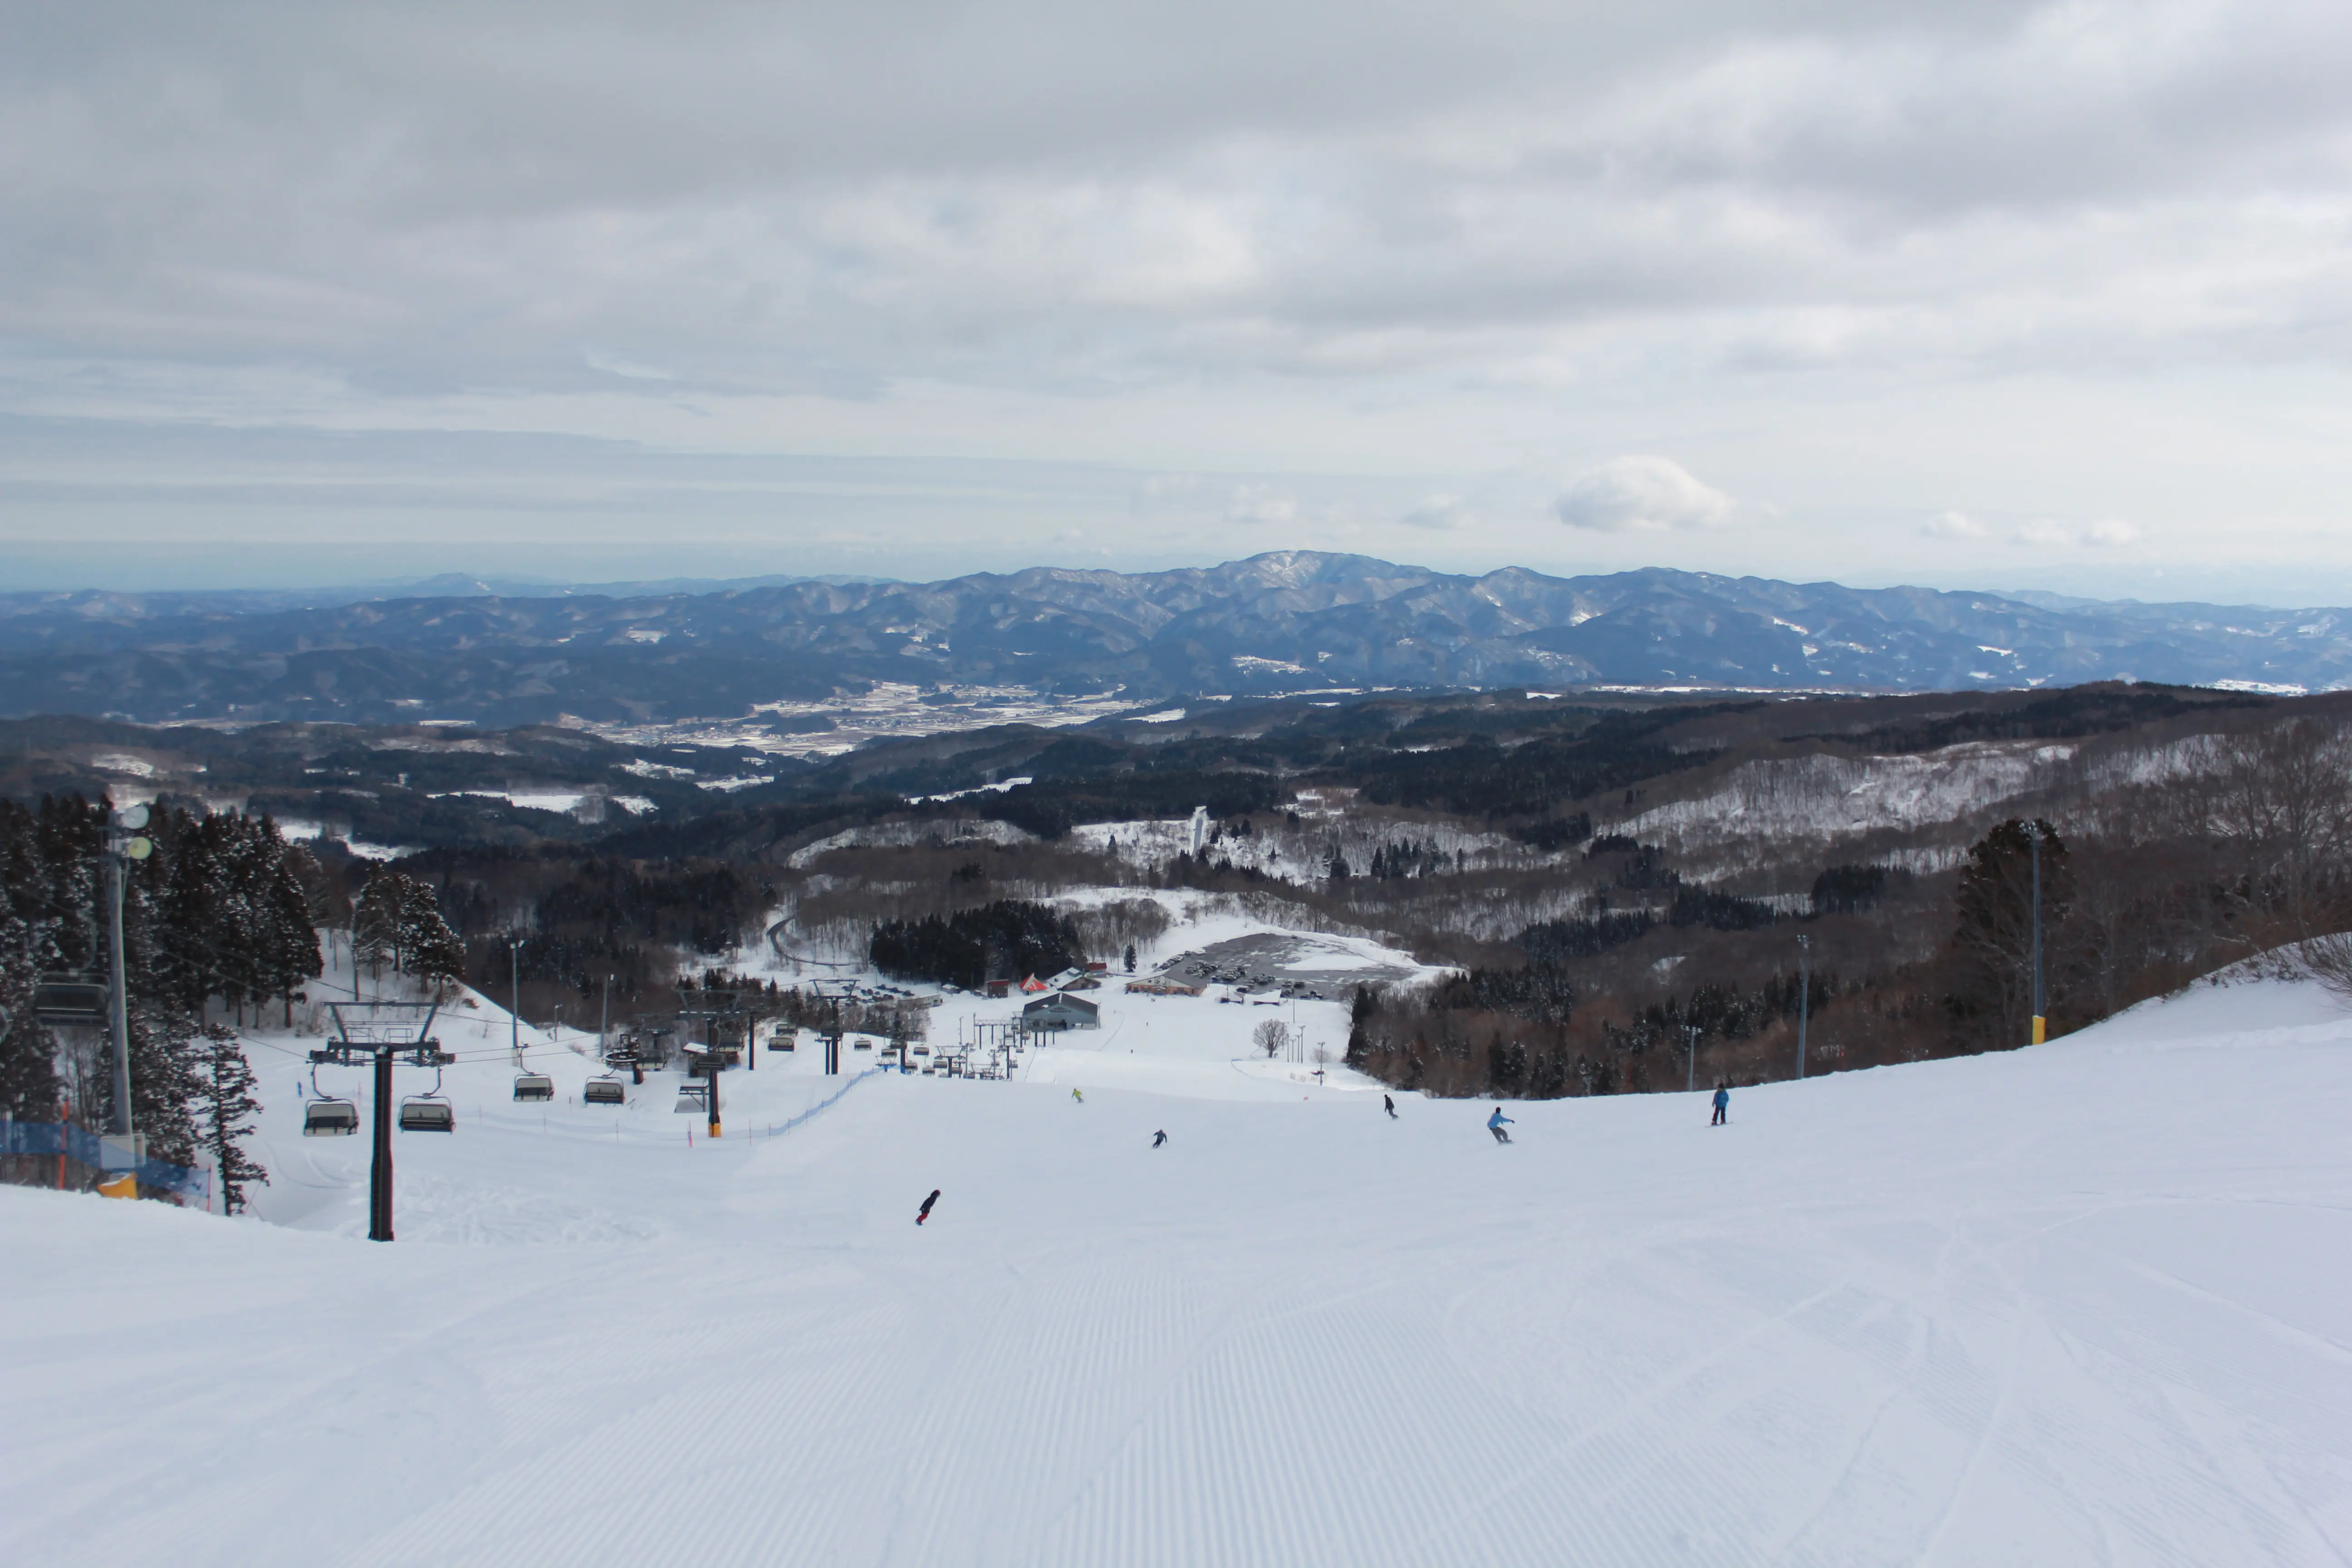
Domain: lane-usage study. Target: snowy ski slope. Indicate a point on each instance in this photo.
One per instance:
(2086, 1304)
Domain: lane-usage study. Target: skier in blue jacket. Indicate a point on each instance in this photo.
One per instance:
(1496, 1122)
(1722, 1102)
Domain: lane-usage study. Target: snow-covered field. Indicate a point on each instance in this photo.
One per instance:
(2090, 1303)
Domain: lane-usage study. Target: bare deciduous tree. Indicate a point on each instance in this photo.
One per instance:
(2283, 798)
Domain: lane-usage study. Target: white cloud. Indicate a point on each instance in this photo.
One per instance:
(1641, 492)
(622, 366)
(2048, 533)
(1953, 525)
(2110, 533)
(1261, 504)
(1440, 513)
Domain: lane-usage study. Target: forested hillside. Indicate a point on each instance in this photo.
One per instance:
(1631, 892)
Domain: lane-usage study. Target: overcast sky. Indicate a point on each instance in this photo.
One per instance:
(1986, 294)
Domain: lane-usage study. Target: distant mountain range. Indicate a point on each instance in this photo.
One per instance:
(1288, 621)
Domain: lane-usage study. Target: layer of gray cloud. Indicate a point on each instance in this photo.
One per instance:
(1540, 241)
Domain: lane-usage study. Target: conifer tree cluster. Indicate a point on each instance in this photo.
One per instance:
(398, 921)
(1006, 941)
(219, 917)
(231, 910)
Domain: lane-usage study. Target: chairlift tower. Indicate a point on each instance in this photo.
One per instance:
(2034, 834)
(716, 1008)
(1804, 995)
(514, 1005)
(830, 991)
(650, 1047)
(378, 1033)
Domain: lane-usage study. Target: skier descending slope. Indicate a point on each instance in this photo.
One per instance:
(1076, 1096)
(1496, 1122)
(1722, 1102)
(925, 1211)
(1390, 1105)
(1158, 1139)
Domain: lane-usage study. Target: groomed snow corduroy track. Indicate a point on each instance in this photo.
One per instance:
(2086, 1304)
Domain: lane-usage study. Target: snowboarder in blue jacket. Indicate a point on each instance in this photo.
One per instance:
(1496, 1122)
(1722, 1102)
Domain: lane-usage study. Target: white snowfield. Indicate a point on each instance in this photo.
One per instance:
(2086, 1304)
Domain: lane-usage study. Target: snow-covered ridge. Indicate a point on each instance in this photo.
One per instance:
(1822, 797)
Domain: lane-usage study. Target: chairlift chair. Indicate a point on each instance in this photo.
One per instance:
(534, 1086)
(328, 1116)
(65, 1001)
(604, 1092)
(429, 1111)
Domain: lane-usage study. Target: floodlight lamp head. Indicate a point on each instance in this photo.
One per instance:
(131, 818)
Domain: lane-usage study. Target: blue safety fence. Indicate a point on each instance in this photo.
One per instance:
(829, 1101)
(98, 1157)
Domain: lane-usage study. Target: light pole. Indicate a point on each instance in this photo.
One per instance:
(1690, 1060)
(514, 993)
(2033, 839)
(122, 844)
(1804, 995)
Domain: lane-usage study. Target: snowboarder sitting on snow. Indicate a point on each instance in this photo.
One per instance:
(1158, 1139)
(925, 1211)
(1496, 1123)
(1722, 1102)
(1390, 1105)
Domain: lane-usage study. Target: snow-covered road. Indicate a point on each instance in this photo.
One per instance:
(2086, 1304)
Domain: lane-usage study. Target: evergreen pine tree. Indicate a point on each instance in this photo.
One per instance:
(1361, 1014)
(434, 951)
(376, 924)
(223, 1105)
(1991, 942)
(67, 836)
(291, 940)
(163, 1080)
(29, 1089)
(185, 882)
